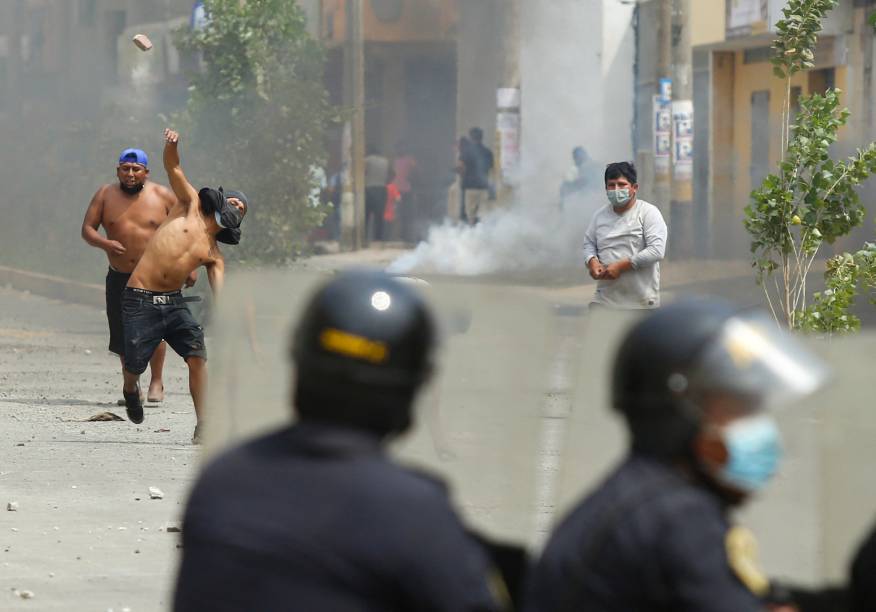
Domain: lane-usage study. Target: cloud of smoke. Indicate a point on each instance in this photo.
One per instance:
(519, 238)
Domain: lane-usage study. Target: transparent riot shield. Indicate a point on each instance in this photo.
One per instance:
(517, 418)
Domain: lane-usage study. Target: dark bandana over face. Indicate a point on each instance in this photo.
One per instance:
(215, 201)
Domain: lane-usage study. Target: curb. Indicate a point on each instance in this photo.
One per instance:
(54, 287)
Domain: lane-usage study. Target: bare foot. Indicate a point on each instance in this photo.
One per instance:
(156, 393)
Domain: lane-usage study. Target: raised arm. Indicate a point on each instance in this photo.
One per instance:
(185, 193)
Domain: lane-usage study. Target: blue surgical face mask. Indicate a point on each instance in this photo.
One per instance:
(618, 197)
(754, 446)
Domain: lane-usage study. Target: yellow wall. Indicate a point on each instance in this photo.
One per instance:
(707, 21)
(759, 77)
(751, 78)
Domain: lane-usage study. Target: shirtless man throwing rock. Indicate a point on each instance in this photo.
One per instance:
(153, 308)
(129, 212)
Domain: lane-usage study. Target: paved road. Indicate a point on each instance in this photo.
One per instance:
(522, 444)
(86, 535)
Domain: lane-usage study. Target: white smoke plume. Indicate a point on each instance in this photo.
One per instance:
(507, 240)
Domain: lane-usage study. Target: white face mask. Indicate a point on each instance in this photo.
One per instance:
(618, 197)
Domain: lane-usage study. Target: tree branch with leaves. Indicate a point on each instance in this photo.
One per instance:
(812, 199)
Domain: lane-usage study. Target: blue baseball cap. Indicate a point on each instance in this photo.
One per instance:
(134, 156)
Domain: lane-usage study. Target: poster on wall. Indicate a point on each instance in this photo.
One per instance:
(662, 134)
(682, 128)
(508, 137)
(745, 17)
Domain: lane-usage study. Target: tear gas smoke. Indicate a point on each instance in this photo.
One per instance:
(516, 239)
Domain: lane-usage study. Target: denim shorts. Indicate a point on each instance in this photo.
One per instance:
(148, 317)
(115, 286)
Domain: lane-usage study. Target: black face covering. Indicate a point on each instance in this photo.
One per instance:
(131, 190)
(216, 201)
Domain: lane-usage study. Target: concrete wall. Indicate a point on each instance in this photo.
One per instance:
(81, 56)
(576, 67)
(480, 62)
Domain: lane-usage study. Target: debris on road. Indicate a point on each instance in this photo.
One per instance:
(105, 416)
(156, 493)
(12, 506)
(23, 594)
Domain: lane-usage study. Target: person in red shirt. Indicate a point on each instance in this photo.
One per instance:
(393, 201)
(405, 167)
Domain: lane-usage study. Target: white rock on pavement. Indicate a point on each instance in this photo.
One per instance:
(12, 506)
(156, 493)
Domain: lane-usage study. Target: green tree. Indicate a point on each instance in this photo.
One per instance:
(847, 275)
(812, 199)
(256, 117)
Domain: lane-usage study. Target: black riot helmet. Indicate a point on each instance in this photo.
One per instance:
(669, 359)
(362, 349)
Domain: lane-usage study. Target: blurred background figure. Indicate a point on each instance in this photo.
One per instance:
(581, 180)
(315, 516)
(405, 166)
(694, 382)
(391, 212)
(477, 171)
(376, 179)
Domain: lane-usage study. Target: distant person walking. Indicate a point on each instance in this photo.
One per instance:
(477, 168)
(624, 244)
(376, 178)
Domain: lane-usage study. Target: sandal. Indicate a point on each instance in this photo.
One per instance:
(122, 401)
(134, 405)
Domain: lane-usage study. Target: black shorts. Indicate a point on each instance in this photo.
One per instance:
(152, 316)
(115, 285)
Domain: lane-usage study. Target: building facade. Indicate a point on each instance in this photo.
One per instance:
(737, 103)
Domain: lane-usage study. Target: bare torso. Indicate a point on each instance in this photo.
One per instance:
(132, 220)
(180, 245)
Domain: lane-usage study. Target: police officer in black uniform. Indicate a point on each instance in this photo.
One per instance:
(315, 517)
(862, 589)
(694, 382)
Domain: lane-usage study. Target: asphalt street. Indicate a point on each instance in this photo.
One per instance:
(85, 533)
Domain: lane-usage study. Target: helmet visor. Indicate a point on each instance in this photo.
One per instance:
(752, 356)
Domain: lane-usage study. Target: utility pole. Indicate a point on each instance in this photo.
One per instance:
(359, 121)
(508, 118)
(681, 221)
(662, 166)
(353, 198)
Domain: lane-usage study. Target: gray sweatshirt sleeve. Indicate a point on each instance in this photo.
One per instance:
(654, 228)
(589, 248)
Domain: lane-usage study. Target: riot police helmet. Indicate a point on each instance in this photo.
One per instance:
(363, 347)
(673, 357)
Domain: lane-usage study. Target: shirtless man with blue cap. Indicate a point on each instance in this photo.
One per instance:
(130, 211)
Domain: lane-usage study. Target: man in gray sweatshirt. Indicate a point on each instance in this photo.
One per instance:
(624, 244)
